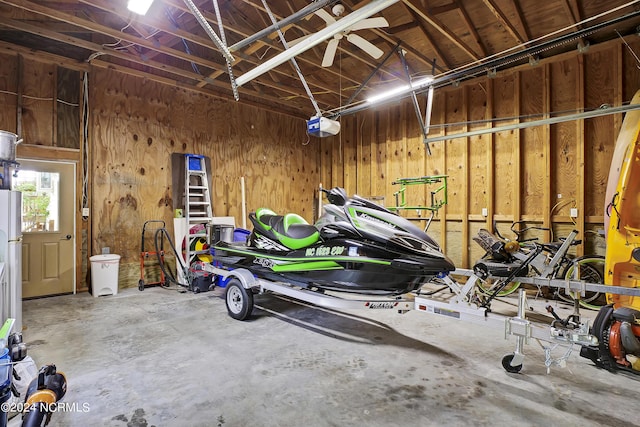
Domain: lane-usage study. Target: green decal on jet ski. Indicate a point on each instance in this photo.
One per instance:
(306, 266)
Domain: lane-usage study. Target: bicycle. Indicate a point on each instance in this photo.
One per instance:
(552, 260)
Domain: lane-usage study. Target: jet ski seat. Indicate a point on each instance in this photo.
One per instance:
(291, 229)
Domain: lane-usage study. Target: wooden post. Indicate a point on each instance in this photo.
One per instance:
(546, 132)
(465, 161)
(580, 159)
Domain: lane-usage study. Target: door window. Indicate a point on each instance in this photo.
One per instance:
(40, 200)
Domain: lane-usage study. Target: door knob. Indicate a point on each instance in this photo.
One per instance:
(67, 237)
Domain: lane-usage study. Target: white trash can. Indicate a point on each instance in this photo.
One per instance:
(104, 274)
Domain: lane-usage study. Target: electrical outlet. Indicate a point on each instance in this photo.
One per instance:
(485, 212)
(106, 250)
(574, 213)
(85, 211)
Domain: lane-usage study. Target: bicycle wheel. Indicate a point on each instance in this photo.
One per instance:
(487, 287)
(591, 270)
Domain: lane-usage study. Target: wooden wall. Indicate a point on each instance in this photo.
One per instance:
(137, 124)
(534, 175)
(134, 127)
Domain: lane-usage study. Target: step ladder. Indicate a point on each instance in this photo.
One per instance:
(197, 206)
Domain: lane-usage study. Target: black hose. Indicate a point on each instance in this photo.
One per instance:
(159, 244)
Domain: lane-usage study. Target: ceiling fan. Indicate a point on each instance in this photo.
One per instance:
(365, 45)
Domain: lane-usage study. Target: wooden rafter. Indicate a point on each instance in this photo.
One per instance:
(500, 16)
(471, 27)
(32, 29)
(440, 27)
(428, 37)
(158, 48)
(276, 46)
(521, 21)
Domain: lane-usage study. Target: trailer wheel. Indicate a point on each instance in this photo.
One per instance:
(239, 300)
(141, 285)
(506, 364)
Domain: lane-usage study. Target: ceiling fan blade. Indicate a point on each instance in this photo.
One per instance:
(365, 45)
(377, 22)
(330, 53)
(326, 16)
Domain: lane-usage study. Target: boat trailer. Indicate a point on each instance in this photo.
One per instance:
(460, 303)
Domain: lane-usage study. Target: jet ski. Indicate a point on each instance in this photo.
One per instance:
(356, 246)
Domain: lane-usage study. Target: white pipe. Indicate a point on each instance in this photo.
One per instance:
(320, 201)
(244, 203)
(550, 121)
(322, 35)
(207, 29)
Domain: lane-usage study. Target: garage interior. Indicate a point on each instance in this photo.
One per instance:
(507, 115)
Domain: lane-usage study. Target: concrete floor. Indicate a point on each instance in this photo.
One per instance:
(162, 358)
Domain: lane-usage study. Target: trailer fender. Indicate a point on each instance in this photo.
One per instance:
(247, 279)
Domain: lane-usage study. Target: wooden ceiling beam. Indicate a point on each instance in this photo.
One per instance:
(239, 31)
(495, 10)
(41, 56)
(441, 56)
(305, 31)
(437, 10)
(573, 12)
(521, 21)
(102, 29)
(440, 27)
(284, 106)
(178, 33)
(471, 27)
(403, 27)
(32, 29)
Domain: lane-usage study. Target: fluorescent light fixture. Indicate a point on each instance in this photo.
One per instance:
(139, 6)
(401, 90)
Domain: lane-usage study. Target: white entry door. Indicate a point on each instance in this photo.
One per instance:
(48, 227)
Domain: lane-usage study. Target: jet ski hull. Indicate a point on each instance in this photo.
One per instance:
(344, 265)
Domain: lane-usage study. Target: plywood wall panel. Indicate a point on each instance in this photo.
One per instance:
(132, 147)
(379, 157)
(630, 68)
(435, 160)
(350, 157)
(600, 132)
(435, 163)
(455, 158)
(479, 191)
(563, 136)
(8, 92)
(67, 108)
(415, 157)
(455, 246)
(326, 160)
(505, 158)
(38, 91)
(534, 163)
(396, 151)
(337, 156)
(365, 141)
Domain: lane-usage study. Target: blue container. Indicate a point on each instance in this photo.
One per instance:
(240, 235)
(222, 282)
(5, 369)
(5, 382)
(194, 162)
